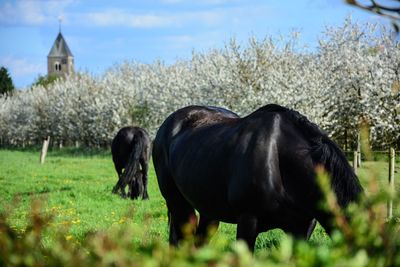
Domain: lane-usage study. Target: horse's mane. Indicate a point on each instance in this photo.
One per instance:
(325, 152)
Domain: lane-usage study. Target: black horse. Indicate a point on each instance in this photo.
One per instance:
(258, 172)
(131, 150)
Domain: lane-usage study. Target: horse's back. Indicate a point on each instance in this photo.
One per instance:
(186, 119)
(220, 166)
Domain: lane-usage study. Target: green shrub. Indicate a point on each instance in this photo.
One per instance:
(368, 239)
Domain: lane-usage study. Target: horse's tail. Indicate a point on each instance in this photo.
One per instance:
(344, 181)
(130, 178)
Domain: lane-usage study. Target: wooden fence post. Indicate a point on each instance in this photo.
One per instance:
(44, 149)
(359, 149)
(355, 161)
(391, 182)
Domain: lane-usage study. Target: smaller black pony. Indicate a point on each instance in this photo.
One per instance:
(131, 149)
(258, 172)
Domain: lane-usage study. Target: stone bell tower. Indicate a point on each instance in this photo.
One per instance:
(60, 61)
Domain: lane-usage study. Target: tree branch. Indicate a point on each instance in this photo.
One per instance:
(377, 7)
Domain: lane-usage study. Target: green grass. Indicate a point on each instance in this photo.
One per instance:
(75, 186)
(76, 190)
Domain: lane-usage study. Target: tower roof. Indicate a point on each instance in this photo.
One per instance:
(60, 48)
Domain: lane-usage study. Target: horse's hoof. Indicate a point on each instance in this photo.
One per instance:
(115, 190)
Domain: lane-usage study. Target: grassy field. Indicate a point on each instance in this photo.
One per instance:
(74, 186)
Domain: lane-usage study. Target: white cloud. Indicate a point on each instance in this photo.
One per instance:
(20, 13)
(119, 17)
(20, 67)
(30, 12)
(116, 17)
(38, 13)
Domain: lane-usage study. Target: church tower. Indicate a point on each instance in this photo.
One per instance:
(60, 61)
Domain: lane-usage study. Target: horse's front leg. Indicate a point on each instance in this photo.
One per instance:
(247, 229)
(206, 228)
(181, 225)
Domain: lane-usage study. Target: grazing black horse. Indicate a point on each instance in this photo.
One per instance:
(258, 172)
(131, 150)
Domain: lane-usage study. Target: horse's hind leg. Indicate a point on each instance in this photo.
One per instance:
(145, 168)
(205, 229)
(122, 183)
(247, 229)
(118, 184)
(311, 228)
(303, 228)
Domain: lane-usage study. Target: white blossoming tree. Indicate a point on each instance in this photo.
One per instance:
(353, 75)
(360, 68)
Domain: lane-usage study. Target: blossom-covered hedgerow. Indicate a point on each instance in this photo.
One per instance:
(353, 76)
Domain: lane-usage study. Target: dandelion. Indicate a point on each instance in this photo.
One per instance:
(122, 220)
(68, 237)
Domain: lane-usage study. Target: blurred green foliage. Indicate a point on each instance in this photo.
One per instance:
(369, 240)
(45, 80)
(135, 234)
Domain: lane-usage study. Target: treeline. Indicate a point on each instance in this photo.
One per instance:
(352, 77)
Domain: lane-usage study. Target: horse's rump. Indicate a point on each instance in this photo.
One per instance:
(131, 152)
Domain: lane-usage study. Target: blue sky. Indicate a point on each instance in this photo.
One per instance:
(102, 33)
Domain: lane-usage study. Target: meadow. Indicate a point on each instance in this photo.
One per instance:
(74, 188)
